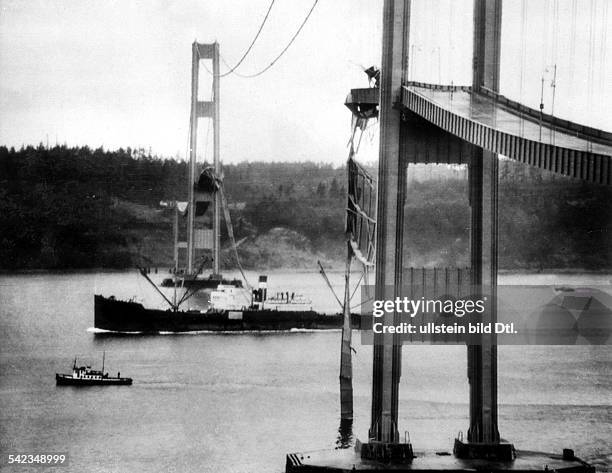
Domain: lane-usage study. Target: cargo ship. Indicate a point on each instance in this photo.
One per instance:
(231, 309)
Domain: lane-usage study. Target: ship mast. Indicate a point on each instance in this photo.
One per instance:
(203, 109)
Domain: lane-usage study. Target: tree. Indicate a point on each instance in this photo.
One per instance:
(321, 190)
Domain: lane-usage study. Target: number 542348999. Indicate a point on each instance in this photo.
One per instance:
(47, 459)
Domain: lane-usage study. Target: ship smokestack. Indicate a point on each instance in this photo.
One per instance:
(263, 287)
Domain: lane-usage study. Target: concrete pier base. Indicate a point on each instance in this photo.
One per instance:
(349, 460)
(501, 451)
(386, 452)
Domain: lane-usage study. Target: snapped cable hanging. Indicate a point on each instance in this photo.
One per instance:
(246, 53)
(250, 76)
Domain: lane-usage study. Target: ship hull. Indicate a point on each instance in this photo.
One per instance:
(123, 316)
(68, 380)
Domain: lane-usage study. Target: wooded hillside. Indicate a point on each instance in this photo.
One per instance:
(66, 208)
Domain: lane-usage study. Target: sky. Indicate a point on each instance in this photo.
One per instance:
(117, 73)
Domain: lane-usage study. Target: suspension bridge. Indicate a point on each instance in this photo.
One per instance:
(471, 124)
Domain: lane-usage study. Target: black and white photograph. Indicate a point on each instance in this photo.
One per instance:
(306, 236)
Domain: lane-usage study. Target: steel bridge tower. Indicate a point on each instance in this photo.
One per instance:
(199, 238)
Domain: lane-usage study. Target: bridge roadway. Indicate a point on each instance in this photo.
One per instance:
(503, 126)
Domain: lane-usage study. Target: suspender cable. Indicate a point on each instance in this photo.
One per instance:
(545, 47)
(523, 53)
(555, 39)
(591, 60)
(572, 53)
(555, 59)
(451, 36)
(603, 48)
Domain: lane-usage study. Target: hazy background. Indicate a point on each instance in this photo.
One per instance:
(117, 73)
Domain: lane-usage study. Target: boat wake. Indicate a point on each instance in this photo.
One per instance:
(309, 330)
(209, 332)
(101, 330)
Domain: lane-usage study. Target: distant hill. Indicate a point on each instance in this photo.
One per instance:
(66, 208)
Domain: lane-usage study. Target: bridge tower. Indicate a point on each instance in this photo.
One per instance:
(396, 140)
(448, 124)
(200, 238)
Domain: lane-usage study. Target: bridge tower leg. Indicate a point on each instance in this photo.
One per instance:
(193, 142)
(384, 439)
(483, 434)
(203, 109)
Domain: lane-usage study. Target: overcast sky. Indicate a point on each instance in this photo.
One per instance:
(117, 73)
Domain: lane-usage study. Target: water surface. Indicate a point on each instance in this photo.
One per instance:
(240, 402)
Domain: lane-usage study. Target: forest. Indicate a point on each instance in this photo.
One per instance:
(76, 207)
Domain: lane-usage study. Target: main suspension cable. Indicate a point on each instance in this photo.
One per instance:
(246, 53)
(250, 76)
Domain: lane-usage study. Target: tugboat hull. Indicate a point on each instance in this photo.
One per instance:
(123, 316)
(68, 380)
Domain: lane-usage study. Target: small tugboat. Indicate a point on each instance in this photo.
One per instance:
(85, 376)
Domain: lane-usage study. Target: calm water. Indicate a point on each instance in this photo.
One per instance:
(239, 403)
